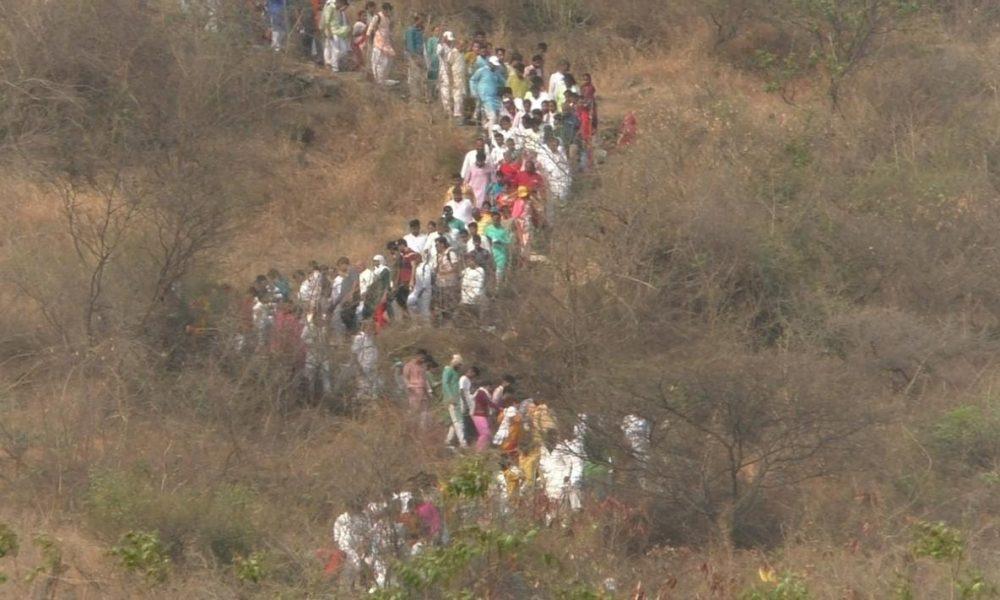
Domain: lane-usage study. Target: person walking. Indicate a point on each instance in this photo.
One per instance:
(482, 405)
(451, 395)
(452, 76)
(336, 32)
(416, 66)
(500, 240)
(446, 280)
(479, 177)
(432, 61)
(366, 354)
(419, 301)
(380, 34)
(277, 13)
(486, 84)
(418, 388)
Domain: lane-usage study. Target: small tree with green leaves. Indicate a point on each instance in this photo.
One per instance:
(8, 545)
(142, 552)
(845, 32)
(250, 569)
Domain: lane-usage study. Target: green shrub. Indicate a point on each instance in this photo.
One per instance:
(937, 541)
(8, 545)
(788, 586)
(142, 552)
(250, 569)
(227, 527)
(471, 480)
(218, 520)
(52, 563)
(968, 435)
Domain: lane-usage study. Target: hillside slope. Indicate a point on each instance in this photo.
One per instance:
(800, 295)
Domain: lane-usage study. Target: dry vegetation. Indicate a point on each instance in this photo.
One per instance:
(794, 274)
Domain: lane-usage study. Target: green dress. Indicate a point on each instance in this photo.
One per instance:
(501, 240)
(451, 394)
(431, 57)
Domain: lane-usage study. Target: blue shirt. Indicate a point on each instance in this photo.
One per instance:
(275, 7)
(486, 84)
(414, 41)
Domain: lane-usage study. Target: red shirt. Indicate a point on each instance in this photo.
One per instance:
(509, 171)
(286, 337)
(532, 181)
(405, 270)
(482, 403)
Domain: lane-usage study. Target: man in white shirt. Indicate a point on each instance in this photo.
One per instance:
(465, 387)
(470, 157)
(366, 354)
(309, 291)
(415, 240)
(509, 109)
(419, 301)
(473, 287)
(555, 167)
(461, 208)
(498, 147)
(334, 306)
(535, 96)
(473, 230)
(557, 81)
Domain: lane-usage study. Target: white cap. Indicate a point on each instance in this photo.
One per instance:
(378, 258)
(494, 61)
(448, 36)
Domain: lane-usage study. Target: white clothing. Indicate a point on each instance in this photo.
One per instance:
(457, 428)
(556, 170)
(451, 79)
(503, 431)
(335, 290)
(487, 244)
(366, 353)
(531, 140)
(263, 320)
(556, 81)
(562, 472)
(637, 432)
(335, 47)
(310, 289)
(535, 102)
(473, 286)
(465, 388)
(365, 279)
(462, 210)
(417, 243)
(419, 300)
(380, 65)
(349, 534)
(496, 154)
(470, 161)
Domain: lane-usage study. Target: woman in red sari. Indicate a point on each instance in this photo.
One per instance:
(589, 95)
(359, 39)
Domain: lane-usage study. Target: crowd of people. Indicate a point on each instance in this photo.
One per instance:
(541, 473)
(535, 131)
(534, 134)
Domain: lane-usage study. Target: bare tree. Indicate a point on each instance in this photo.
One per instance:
(98, 228)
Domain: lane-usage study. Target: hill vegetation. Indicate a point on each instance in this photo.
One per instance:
(793, 274)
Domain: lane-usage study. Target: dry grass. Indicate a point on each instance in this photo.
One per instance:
(853, 249)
